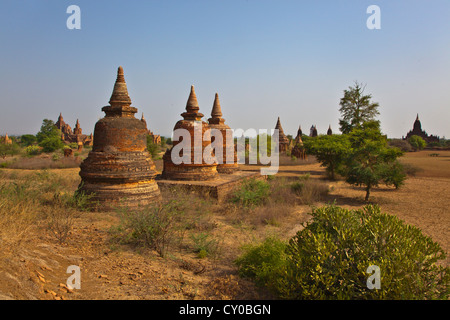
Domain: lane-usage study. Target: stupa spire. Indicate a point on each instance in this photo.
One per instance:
(192, 107)
(216, 110)
(278, 125)
(192, 103)
(120, 95)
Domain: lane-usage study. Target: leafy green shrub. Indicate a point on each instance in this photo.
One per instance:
(252, 192)
(265, 263)
(417, 142)
(51, 144)
(329, 258)
(33, 150)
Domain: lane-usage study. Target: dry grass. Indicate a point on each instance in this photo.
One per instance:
(429, 166)
(38, 163)
(28, 201)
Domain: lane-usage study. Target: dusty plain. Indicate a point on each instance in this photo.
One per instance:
(33, 264)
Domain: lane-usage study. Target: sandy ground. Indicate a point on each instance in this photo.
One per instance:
(37, 267)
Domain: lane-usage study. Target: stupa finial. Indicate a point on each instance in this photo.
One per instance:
(192, 103)
(216, 110)
(120, 92)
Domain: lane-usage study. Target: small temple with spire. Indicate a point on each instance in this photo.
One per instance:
(329, 131)
(298, 149)
(73, 136)
(283, 140)
(119, 171)
(313, 131)
(5, 139)
(417, 131)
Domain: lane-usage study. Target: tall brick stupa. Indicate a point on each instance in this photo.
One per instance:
(119, 171)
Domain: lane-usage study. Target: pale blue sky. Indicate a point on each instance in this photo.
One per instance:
(291, 59)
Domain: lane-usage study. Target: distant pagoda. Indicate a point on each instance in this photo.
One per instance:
(283, 140)
(417, 131)
(329, 131)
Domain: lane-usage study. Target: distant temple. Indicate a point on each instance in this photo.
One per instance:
(313, 131)
(329, 131)
(5, 139)
(156, 138)
(75, 136)
(283, 140)
(417, 131)
(298, 149)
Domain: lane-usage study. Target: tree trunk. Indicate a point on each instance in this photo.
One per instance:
(367, 193)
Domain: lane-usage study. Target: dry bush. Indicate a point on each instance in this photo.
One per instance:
(410, 169)
(30, 199)
(60, 222)
(310, 191)
(271, 214)
(403, 145)
(17, 214)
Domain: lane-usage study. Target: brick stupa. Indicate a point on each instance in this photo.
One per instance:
(217, 122)
(119, 171)
(203, 164)
(283, 141)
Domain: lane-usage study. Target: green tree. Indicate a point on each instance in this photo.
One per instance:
(51, 144)
(370, 160)
(48, 129)
(417, 143)
(27, 140)
(9, 149)
(330, 151)
(49, 137)
(356, 108)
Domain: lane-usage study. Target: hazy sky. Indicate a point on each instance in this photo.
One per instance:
(266, 59)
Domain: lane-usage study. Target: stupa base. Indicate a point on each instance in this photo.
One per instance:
(108, 197)
(218, 189)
